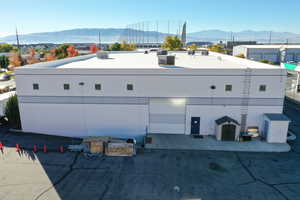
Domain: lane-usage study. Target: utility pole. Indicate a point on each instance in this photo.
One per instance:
(270, 37)
(18, 43)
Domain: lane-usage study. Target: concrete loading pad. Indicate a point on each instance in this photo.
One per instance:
(186, 142)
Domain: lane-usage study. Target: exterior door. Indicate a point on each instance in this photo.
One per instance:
(228, 132)
(195, 125)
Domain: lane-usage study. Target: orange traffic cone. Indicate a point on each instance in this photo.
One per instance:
(34, 149)
(61, 149)
(45, 148)
(18, 147)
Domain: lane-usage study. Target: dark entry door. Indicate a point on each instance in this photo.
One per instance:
(228, 132)
(195, 125)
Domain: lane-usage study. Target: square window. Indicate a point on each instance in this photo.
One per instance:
(129, 86)
(262, 88)
(66, 86)
(35, 86)
(97, 86)
(228, 88)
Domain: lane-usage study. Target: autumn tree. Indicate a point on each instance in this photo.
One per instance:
(127, 47)
(172, 43)
(15, 60)
(31, 59)
(192, 47)
(72, 51)
(93, 49)
(50, 56)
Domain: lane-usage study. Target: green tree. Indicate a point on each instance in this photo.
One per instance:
(4, 62)
(217, 48)
(172, 43)
(12, 112)
(115, 47)
(7, 48)
(62, 51)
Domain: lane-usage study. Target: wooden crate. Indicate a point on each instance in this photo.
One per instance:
(120, 149)
(97, 146)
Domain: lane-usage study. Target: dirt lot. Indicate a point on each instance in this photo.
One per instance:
(150, 175)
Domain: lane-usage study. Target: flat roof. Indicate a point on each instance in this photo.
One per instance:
(139, 60)
(264, 46)
(277, 117)
(135, 60)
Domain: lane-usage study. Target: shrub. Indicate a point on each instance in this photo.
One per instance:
(12, 112)
(240, 56)
(266, 61)
(4, 62)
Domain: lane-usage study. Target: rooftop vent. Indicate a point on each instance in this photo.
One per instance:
(166, 60)
(102, 55)
(191, 52)
(162, 52)
(204, 52)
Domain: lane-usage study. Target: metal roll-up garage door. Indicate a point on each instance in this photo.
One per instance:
(167, 115)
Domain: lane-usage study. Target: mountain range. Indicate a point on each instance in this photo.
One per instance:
(110, 35)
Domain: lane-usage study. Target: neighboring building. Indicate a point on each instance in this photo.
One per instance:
(273, 53)
(6, 54)
(130, 94)
(231, 44)
(200, 43)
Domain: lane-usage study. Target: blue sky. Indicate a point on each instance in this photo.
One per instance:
(230, 15)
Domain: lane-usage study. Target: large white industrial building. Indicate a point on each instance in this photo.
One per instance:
(129, 95)
(273, 53)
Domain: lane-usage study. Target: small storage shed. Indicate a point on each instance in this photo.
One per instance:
(227, 129)
(275, 127)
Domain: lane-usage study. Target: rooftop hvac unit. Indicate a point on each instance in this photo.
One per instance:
(102, 55)
(204, 52)
(162, 52)
(191, 52)
(166, 60)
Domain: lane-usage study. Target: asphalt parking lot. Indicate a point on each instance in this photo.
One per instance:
(151, 175)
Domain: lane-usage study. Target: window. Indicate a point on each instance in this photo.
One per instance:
(129, 86)
(213, 87)
(35, 86)
(66, 86)
(262, 88)
(97, 86)
(228, 88)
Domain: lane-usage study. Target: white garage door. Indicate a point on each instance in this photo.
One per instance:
(167, 115)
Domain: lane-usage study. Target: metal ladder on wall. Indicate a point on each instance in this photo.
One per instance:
(245, 99)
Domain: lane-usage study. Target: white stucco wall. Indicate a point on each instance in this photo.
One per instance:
(208, 114)
(79, 120)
